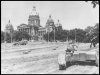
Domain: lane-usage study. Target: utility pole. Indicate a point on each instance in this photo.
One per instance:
(11, 36)
(67, 36)
(48, 34)
(75, 35)
(5, 40)
(54, 34)
(5, 36)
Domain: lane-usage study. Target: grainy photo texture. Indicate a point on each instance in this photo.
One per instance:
(49, 37)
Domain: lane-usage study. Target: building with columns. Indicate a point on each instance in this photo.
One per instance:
(35, 29)
(33, 25)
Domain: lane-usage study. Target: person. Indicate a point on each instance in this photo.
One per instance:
(71, 48)
(93, 41)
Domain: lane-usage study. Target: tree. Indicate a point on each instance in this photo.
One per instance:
(87, 29)
(7, 37)
(64, 34)
(92, 32)
(95, 32)
(80, 35)
(94, 3)
(2, 36)
(58, 35)
(19, 35)
(45, 36)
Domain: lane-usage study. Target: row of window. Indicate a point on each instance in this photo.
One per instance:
(35, 22)
(27, 30)
(41, 33)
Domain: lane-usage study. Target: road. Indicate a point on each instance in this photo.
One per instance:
(41, 61)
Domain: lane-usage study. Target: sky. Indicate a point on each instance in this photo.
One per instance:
(72, 14)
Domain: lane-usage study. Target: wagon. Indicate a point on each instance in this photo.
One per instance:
(23, 42)
(64, 59)
(16, 43)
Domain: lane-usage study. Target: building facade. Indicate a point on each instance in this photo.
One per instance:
(35, 29)
(33, 25)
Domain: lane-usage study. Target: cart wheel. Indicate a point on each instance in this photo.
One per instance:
(62, 67)
(61, 61)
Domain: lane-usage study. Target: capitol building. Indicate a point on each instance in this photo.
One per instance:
(34, 28)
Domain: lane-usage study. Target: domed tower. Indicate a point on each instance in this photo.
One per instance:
(58, 26)
(9, 28)
(34, 19)
(50, 24)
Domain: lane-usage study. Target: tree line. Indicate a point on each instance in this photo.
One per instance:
(81, 35)
(14, 36)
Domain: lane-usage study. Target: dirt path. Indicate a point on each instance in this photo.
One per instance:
(8, 64)
(41, 62)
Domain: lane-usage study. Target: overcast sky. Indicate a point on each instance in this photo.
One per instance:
(72, 14)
